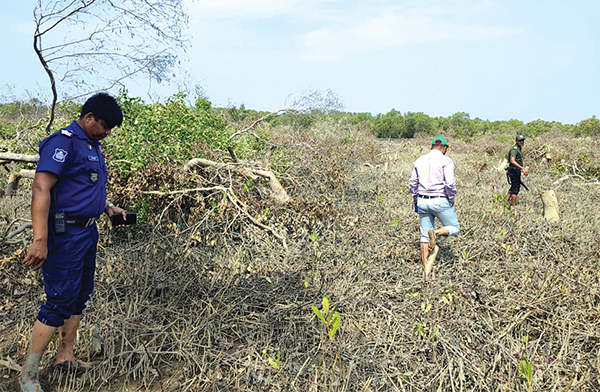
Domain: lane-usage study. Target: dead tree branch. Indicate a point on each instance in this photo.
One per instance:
(107, 40)
(10, 157)
(13, 180)
(236, 202)
(185, 191)
(10, 364)
(559, 182)
(9, 238)
(277, 192)
(241, 207)
(255, 123)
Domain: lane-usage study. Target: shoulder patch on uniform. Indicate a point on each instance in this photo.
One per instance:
(66, 133)
(59, 155)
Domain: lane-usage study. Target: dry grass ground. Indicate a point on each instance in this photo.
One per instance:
(212, 305)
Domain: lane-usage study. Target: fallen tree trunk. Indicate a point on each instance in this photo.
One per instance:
(277, 192)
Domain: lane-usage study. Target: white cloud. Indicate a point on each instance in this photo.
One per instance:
(234, 9)
(394, 28)
(330, 29)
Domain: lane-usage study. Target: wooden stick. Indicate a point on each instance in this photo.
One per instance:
(7, 156)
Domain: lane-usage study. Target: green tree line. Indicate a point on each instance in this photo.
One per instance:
(397, 125)
(174, 130)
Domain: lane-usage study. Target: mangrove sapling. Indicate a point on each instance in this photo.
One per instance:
(275, 363)
(526, 371)
(331, 320)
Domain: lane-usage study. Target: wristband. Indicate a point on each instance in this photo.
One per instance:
(109, 205)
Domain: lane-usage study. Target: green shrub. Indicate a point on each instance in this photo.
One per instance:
(389, 125)
(588, 127)
(162, 132)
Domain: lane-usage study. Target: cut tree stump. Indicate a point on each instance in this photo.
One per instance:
(550, 205)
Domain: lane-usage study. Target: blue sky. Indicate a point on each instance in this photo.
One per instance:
(493, 59)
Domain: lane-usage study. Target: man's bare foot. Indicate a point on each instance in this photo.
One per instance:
(76, 366)
(431, 261)
(29, 382)
(431, 235)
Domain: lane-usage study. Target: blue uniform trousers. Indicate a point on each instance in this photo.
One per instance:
(68, 274)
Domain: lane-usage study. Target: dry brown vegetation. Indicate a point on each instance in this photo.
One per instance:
(204, 298)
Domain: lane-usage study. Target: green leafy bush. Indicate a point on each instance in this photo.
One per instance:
(162, 132)
(389, 125)
(588, 127)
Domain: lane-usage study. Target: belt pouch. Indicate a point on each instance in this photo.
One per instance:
(60, 224)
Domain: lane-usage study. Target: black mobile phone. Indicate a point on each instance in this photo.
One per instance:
(117, 219)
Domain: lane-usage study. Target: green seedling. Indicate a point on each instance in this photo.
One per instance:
(249, 185)
(526, 370)
(466, 256)
(421, 328)
(331, 320)
(448, 297)
(425, 307)
(416, 294)
(275, 363)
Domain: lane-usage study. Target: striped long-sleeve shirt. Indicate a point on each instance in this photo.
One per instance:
(433, 175)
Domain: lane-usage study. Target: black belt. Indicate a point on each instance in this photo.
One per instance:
(429, 197)
(80, 222)
(74, 221)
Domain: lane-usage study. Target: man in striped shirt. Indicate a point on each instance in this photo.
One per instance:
(433, 189)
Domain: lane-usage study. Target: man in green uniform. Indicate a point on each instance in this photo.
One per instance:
(515, 167)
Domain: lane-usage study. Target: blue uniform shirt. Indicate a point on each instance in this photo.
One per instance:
(79, 165)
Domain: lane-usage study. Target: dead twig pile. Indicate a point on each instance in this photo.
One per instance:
(203, 299)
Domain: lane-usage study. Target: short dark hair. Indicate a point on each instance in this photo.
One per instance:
(103, 107)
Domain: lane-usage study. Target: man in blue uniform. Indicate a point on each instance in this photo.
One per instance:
(514, 170)
(68, 195)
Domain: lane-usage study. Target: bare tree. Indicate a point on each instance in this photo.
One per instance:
(92, 45)
(310, 100)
